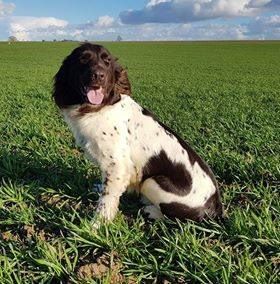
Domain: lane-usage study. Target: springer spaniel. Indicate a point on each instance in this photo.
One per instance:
(131, 146)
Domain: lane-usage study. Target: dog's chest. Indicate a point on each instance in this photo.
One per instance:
(103, 134)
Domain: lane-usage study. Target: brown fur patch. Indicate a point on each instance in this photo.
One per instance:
(170, 176)
(122, 85)
(193, 156)
(212, 208)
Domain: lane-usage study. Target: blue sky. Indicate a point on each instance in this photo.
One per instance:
(140, 20)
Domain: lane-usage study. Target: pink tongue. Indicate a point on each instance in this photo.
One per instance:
(95, 97)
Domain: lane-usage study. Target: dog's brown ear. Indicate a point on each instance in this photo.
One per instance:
(122, 85)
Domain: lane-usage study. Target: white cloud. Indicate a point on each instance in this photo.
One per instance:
(108, 28)
(49, 28)
(265, 27)
(184, 32)
(6, 8)
(220, 32)
(29, 28)
(105, 22)
(104, 28)
(184, 11)
(155, 2)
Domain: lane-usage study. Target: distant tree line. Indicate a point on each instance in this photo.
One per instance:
(14, 39)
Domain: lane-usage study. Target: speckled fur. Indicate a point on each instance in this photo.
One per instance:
(122, 138)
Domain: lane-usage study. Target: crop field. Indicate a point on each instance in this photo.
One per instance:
(222, 97)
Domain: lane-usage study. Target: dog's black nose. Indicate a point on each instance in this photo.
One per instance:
(99, 76)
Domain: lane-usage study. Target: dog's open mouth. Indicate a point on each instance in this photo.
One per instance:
(96, 95)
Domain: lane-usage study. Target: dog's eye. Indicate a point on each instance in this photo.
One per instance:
(106, 59)
(86, 56)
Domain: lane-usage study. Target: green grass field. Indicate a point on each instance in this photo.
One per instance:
(222, 97)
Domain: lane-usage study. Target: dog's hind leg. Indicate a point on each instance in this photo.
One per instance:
(152, 192)
(174, 205)
(153, 212)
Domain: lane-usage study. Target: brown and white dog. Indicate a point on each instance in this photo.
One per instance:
(130, 145)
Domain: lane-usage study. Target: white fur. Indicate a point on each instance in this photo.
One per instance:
(115, 137)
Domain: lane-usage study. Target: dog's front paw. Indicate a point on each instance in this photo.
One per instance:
(96, 222)
(96, 225)
(107, 208)
(153, 212)
(98, 187)
(101, 218)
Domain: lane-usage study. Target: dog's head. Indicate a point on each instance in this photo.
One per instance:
(90, 76)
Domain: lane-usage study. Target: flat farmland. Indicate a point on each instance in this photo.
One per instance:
(221, 97)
